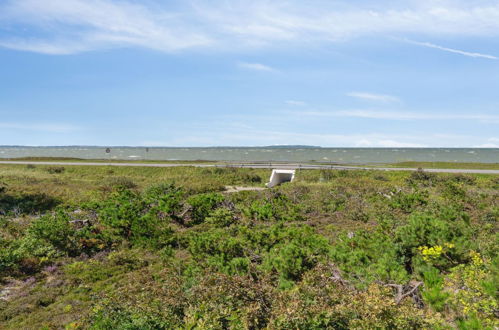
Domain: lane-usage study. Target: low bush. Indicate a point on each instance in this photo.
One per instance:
(409, 202)
(144, 220)
(120, 182)
(58, 231)
(276, 207)
(56, 169)
(221, 217)
(420, 177)
(369, 256)
(202, 205)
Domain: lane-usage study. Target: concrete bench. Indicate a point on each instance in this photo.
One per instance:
(280, 176)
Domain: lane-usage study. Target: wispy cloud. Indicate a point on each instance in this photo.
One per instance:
(255, 66)
(373, 97)
(296, 103)
(452, 50)
(72, 26)
(43, 127)
(401, 115)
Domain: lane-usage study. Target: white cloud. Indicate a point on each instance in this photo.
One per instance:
(255, 66)
(373, 97)
(296, 103)
(72, 26)
(451, 50)
(487, 145)
(398, 144)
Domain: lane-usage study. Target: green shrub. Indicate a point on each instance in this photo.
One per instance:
(433, 292)
(202, 205)
(454, 191)
(221, 217)
(408, 202)
(26, 255)
(277, 206)
(164, 201)
(368, 256)
(120, 212)
(117, 317)
(297, 250)
(57, 230)
(428, 230)
(220, 250)
(127, 215)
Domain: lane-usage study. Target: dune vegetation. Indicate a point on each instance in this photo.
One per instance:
(86, 247)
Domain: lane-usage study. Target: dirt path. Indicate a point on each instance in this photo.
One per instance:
(233, 189)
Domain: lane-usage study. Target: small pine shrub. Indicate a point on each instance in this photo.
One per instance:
(202, 205)
(433, 292)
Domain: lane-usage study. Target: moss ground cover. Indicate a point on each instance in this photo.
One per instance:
(161, 248)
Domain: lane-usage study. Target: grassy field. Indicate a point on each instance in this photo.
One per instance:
(427, 165)
(448, 165)
(111, 160)
(84, 247)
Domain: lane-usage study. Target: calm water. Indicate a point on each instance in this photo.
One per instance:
(336, 155)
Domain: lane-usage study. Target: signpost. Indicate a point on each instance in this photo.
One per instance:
(108, 151)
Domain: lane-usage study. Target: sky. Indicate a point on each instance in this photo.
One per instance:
(422, 73)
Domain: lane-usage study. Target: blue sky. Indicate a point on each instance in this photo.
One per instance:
(363, 73)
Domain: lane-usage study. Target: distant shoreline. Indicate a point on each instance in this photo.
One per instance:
(289, 154)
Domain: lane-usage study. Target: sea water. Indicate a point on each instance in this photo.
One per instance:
(262, 154)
